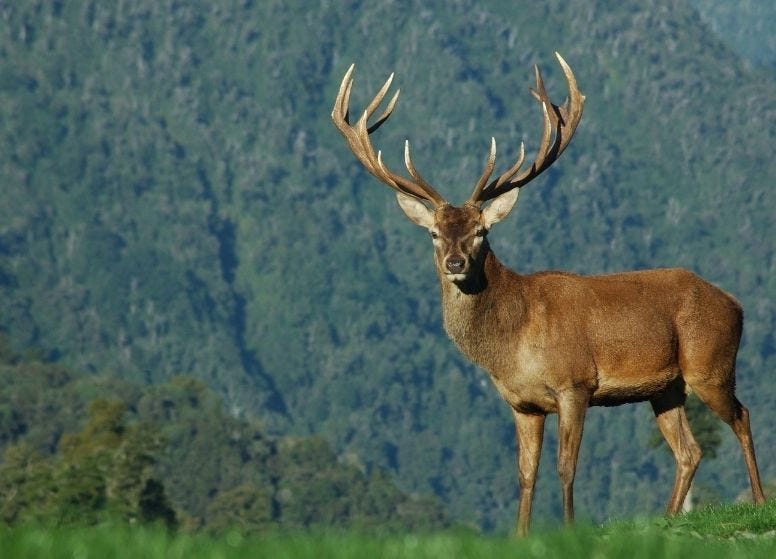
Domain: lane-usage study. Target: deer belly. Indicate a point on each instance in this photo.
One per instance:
(613, 390)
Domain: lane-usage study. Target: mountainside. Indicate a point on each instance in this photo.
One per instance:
(746, 26)
(176, 200)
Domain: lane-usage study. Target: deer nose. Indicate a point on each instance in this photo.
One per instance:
(455, 264)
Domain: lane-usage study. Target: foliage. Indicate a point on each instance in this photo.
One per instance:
(745, 26)
(171, 452)
(105, 471)
(175, 200)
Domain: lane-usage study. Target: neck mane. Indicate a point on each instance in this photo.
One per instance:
(474, 311)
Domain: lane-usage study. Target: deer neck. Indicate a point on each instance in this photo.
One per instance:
(475, 311)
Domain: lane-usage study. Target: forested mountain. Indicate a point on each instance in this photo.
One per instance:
(746, 26)
(176, 200)
(88, 449)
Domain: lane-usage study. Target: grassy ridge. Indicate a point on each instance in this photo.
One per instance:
(737, 531)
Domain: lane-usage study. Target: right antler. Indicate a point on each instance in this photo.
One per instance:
(563, 120)
(358, 139)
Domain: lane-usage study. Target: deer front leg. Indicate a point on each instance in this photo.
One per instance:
(529, 431)
(572, 407)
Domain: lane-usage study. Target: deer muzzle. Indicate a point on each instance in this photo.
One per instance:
(455, 264)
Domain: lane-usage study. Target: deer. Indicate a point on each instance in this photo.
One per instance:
(557, 342)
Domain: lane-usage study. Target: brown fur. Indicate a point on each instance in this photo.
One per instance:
(556, 342)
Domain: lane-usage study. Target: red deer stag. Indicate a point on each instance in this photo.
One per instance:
(557, 342)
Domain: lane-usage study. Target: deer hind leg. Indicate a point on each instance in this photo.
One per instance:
(673, 424)
(722, 401)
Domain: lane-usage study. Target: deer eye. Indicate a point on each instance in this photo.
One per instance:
(480, 232)
(434, 234)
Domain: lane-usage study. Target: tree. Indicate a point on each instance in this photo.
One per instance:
(103, 472)
(25, 483)
(246, 508)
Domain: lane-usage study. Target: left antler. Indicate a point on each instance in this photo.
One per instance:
(563, 120)
(357, 137)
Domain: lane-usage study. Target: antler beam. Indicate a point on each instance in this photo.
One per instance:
(562, 120)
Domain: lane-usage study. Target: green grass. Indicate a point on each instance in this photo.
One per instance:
(738, 531)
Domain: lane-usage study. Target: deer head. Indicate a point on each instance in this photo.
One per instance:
(459, 233)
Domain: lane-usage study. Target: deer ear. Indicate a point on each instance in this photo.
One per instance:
(416, 210)
(500, 207)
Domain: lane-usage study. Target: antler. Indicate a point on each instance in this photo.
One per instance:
(357, 137)
(563, 120)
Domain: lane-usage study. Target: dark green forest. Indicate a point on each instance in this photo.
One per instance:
(87, 449)
(180, 221)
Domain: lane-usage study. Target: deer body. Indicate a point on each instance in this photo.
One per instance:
(559, 343)
(618, 338)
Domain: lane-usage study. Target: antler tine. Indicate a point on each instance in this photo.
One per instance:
(411, 168)
(342, 101)
(563, 120)
(485, 173)
(514, 169)
(357, 137)
(376, 103)
(571, 111)
(386, 113)
(371, 107)
(544, 147)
